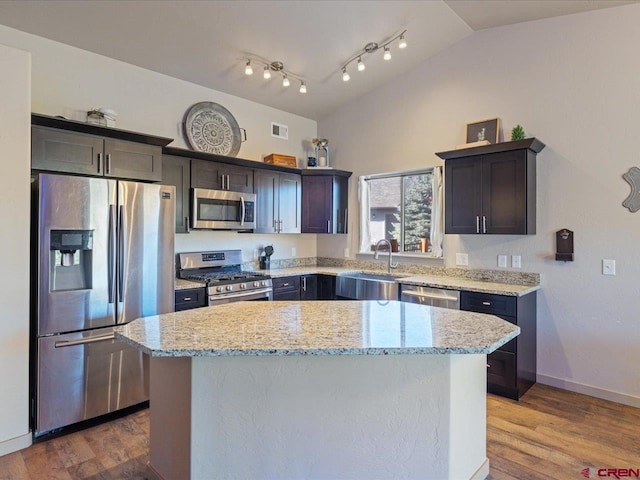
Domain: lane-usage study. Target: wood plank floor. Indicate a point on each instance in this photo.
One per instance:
(549, 434)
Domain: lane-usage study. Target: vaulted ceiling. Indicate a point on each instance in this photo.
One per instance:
(208, 42)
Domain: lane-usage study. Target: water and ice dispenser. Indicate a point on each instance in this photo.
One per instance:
(70, 262)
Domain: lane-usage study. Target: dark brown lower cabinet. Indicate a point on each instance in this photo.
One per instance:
(190, 298)
(309, 287)
(286, 288)
(511, 368)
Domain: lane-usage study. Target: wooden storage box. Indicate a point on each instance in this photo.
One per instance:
(282, 160)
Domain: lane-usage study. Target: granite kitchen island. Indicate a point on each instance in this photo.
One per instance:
(324, 390)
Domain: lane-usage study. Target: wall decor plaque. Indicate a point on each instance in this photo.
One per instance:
(632, 202)
(211, 128)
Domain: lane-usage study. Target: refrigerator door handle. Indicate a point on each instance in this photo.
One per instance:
(111, 254)
(121, 253)
(83, 341)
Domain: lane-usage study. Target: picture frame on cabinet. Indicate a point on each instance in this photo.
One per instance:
(484, 130)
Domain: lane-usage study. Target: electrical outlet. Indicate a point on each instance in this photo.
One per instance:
(462, 259)
(502, 261)
(293, 251)
(608, 267)
(346, 253)
(516, 261)
(256, 253)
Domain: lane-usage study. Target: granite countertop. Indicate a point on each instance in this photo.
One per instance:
(182, 284)
(459, 283)
(451, 282)
(317, 328)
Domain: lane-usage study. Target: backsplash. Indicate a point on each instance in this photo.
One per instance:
(500, 276)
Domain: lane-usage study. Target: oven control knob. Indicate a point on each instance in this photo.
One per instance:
(229, 288)
(243, 286)
(256, 284)
(263, 283)
(218, 289)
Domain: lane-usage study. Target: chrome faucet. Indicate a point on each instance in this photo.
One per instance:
(375, 255)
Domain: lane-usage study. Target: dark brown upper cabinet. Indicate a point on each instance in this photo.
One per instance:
(221, 176)
(325, 202)
(491, 189)
(60, 145)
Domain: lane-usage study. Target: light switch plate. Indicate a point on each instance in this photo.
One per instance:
(608, 267)
(346, 253)
(502, 261)
(462, 259)
(293, 251)
(516, 261)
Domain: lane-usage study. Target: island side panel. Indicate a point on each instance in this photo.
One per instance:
(338, 416)
(169, 418)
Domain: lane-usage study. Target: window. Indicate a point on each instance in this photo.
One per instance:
(404, 208)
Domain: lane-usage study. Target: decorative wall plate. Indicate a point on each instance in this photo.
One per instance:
(211, 128)
(632, 202)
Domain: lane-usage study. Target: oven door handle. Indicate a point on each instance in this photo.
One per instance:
(239, 296)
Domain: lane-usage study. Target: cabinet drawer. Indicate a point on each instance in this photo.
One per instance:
(190, 298)
(501, 369)
(283, 284)
(290, 295)
(488, 303)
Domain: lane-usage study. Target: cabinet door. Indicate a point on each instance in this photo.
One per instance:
(238, 179)
(463, 195)
(62, 151)
(504, 192)
(317, 200)
(177, 171)
(266, 185)
(131, 160)
(290, 202)
(190, 298)
(326, 287)
(340, 204)
(205, 174)
(309, 287)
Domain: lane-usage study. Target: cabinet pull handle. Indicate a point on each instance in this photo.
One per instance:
(488, 304)
(222, 180)
(186, 299)
(484, 224)
(328, 226)
(228, 188)
(279, 226)
(99, 161)
(477, 223)
(345, 221)
(304, 284)
(108, 166)
(186, 224)
(285, 284)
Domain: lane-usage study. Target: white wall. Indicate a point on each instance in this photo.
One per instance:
(15, 134)
(573, 83)
(68, 81)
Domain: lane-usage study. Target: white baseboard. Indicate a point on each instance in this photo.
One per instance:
(590, 390)
(15, 444)
(482, 472)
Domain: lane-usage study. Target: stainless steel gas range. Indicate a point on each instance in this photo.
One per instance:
(221, 272)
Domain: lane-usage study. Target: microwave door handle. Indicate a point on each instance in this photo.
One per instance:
(111, 254)
(243, 211)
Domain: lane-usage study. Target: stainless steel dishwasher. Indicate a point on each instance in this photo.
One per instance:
(436, 297)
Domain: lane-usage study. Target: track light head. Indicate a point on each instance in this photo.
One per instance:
(345, 75)
(387, 53)
(248, 70)
(361, 66)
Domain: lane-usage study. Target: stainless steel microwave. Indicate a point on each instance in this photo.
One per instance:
(223, 210)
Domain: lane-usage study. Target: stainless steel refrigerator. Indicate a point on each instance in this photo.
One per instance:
(105, 256)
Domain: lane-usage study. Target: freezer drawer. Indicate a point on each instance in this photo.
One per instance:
(86, 374)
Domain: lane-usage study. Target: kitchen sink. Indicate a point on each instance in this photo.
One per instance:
(367, 286)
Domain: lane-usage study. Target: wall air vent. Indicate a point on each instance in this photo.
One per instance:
(279, 131)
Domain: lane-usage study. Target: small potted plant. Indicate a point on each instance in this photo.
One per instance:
(517, 133)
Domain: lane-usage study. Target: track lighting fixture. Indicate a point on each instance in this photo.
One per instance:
(373, 47)
(277, 67)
